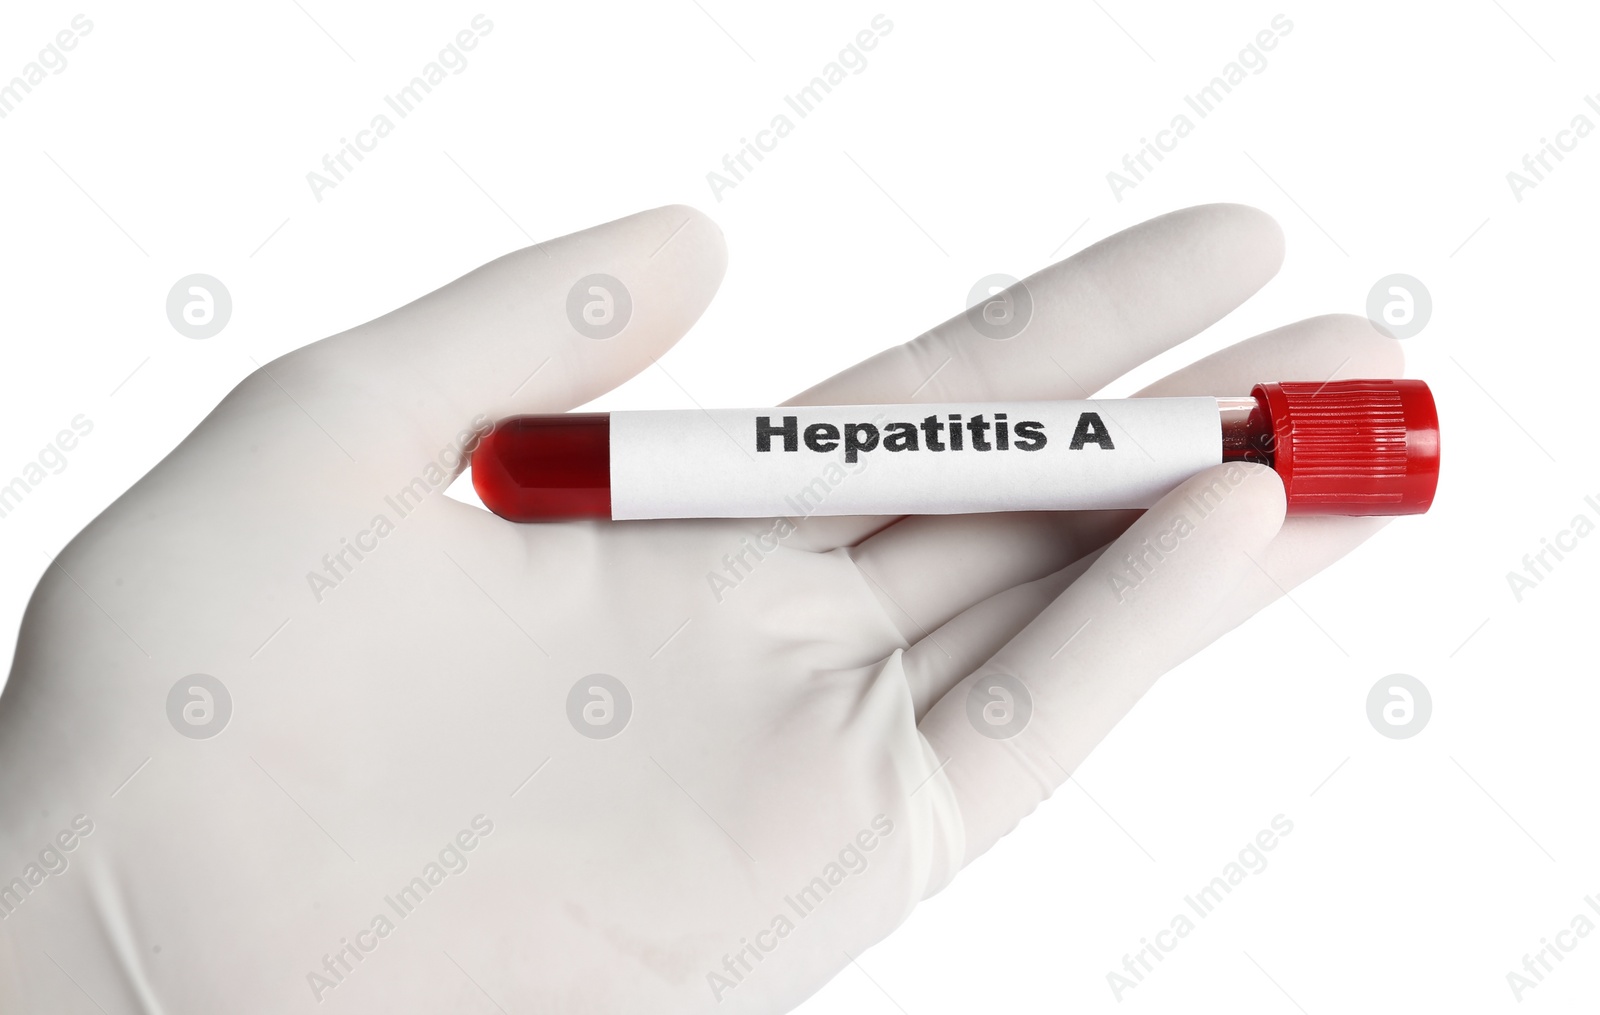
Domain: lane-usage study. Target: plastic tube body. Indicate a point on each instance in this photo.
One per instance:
(1349, 447)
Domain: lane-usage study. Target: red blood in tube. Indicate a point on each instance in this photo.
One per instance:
(546, 468)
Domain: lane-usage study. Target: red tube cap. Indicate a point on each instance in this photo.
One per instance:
(1368, 447)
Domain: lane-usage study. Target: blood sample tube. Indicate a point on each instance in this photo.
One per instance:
(1354, 447)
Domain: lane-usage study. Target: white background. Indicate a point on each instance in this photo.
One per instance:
(977, 140)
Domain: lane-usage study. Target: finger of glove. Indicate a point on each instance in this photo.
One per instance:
(929, 568)
(541, 329)
(1017, 727)
(1089, 319)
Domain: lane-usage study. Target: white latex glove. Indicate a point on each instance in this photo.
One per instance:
(408, 808)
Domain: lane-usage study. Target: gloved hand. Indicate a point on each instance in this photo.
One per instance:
(289, 730)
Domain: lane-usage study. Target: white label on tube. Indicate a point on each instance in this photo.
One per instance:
(904, 459)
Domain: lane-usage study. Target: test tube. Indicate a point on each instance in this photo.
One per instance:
(1351, 447)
